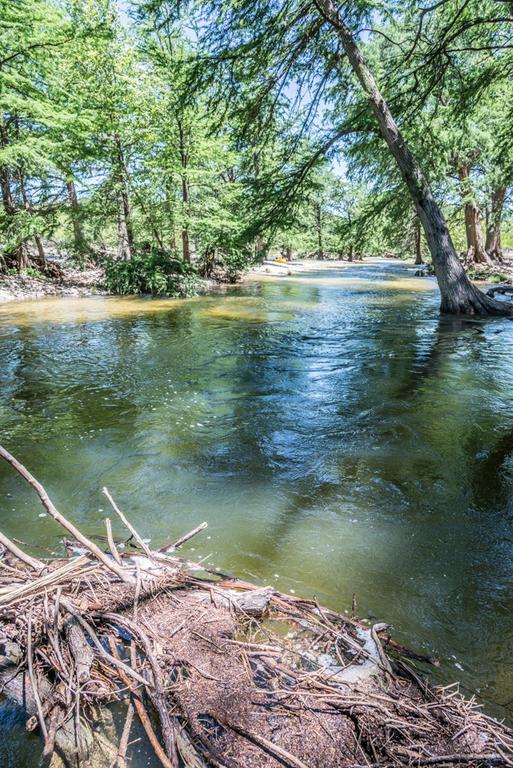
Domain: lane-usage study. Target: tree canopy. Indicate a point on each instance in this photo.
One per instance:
(206, 133)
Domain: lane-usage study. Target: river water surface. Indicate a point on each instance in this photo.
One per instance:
(336, 434)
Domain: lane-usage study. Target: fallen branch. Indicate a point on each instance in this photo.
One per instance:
(147, 551)
(181, 541)
(18, 553)
(123, 743)
(33, 682)
(141, 711)
(112, 545)
(53, 512)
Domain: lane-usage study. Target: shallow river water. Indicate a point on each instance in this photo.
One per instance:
(336, 434)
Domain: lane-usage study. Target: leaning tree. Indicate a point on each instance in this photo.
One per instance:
(308, 52)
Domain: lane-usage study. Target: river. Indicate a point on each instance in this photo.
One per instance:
(338, 436)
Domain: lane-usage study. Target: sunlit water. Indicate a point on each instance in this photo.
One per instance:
(336, 434)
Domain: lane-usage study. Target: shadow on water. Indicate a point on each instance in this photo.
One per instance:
(337, 434)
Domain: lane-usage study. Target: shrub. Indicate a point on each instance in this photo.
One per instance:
(156, 273)
(224, 265)
(499, 277)
(27, 272)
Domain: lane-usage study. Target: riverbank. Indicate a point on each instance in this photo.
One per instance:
(30, 285)
(284, 269)
(479, 272)
(91, 282)
(71, 282)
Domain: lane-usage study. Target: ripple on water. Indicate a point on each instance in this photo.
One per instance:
(331, 427)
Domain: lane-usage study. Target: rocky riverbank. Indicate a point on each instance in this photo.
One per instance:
(73, 282)
(34, 285)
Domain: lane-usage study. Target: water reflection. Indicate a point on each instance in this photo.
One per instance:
(337, 435)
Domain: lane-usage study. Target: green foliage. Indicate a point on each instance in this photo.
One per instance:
(156, 274)
(33, 272)
(478, 273)
(241, 135)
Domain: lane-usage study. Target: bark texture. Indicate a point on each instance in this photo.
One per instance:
(418, 242)
(125, 234)
(476, 251)
(184, 138)
(17, 254)
(493, 244)
(320, 234)
(78, 235)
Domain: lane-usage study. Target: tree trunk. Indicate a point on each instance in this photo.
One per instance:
(78, 235)
(260, 248)
(124, 231)
(184, 161)
(7, 198)
(125, 234)
(418, 242)
(16, 254)
(476, 252)
(350, 256)
(458, 294)
(170, 207)
(493, 244)
(186, 251)
(28, 207)
(318, 220)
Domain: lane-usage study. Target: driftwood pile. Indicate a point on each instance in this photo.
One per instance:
(219, 672)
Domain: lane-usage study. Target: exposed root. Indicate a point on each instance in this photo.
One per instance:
(237, 675)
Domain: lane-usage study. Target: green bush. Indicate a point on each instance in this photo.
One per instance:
(225, 265)
(499, 277)
(27, 272)
(157, 274)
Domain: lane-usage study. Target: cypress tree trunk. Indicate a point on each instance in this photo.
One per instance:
(458, 294)
(125, 242)
(320, 239)
(7, 198)
(476, 252)
(493, 229)
(170, 208)
(16, 254)
(28, 207)
(186, 250)
(259, 248)
(78, 235)
(125, 234)
(418, 242)
(184, 136)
